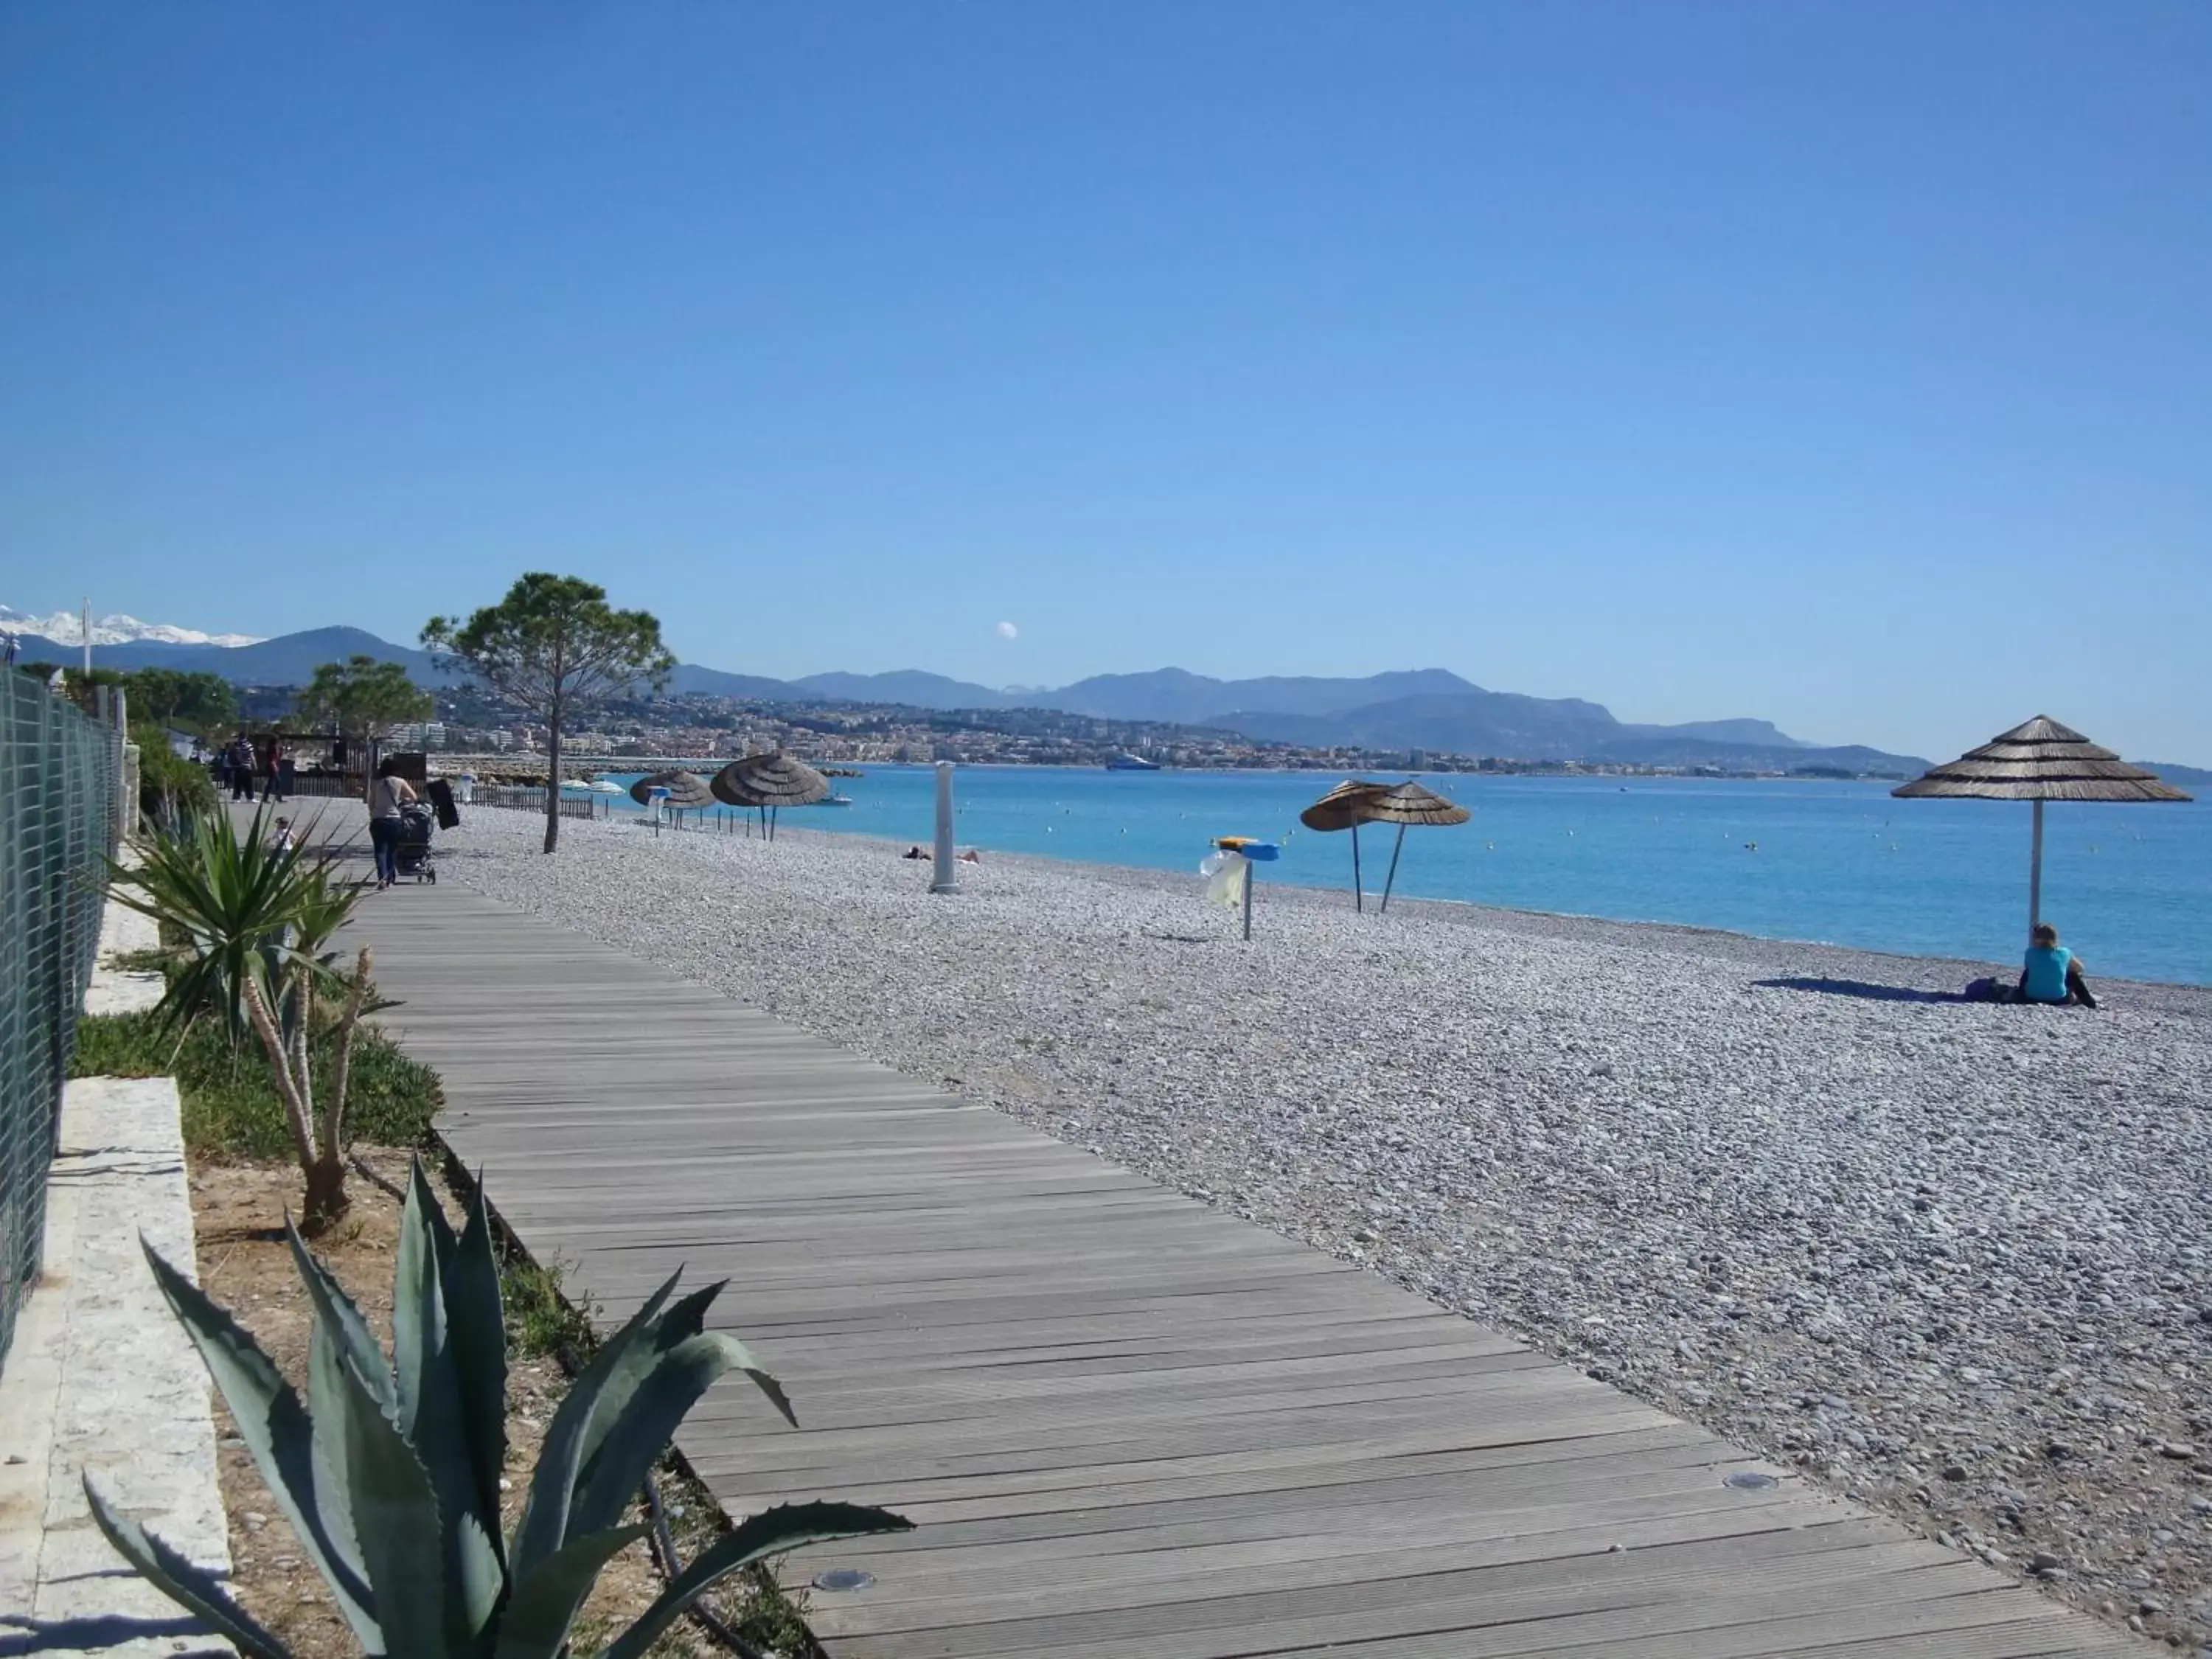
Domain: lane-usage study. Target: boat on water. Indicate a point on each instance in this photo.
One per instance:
(1126, 762)
(835, 801)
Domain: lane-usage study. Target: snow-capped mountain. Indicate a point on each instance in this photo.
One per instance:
(63, 627)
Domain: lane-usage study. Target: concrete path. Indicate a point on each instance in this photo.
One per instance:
(102, 1378)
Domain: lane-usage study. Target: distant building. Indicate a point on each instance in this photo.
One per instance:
(424, 735)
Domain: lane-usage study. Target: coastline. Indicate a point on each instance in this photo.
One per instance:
(2136, 908)
(1953, 1258)
(1932, 974)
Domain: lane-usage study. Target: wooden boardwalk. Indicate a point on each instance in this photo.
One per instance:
(1127, 1426)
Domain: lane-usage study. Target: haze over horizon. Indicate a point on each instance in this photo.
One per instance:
(1839, 365)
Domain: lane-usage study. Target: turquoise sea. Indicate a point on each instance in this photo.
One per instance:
(1841, 863)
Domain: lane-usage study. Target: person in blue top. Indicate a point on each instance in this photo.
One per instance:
(2052, 975)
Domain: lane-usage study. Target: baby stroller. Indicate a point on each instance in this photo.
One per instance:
(411, 853)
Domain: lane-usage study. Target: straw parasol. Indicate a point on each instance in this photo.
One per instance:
(1345, 807)
(779, 779)
(769, 781)
(1411, 803)
(2039, 761)
(684, 788)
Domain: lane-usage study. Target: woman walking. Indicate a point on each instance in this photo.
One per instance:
(386, 796)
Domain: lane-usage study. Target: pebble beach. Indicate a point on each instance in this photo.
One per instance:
(1953, 1260)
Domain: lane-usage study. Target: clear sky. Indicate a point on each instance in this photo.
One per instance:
(1841, 362)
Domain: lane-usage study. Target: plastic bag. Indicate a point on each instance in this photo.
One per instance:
(1225, 874)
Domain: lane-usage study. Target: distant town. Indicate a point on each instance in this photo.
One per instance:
(1416, 720)
(670, 731)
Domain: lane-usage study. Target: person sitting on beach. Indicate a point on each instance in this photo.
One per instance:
(914, 853)
(2052, 975)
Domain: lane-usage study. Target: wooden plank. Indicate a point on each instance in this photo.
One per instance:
(1127, 1424)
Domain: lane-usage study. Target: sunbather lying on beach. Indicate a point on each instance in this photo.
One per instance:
(2053, 975)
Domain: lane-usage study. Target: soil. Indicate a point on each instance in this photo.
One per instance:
(245, 1264)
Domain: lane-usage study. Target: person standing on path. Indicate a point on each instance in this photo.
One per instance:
(273, 758)
(386, 796)
(241, 769)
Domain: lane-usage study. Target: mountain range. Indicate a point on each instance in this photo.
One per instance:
(67, 627)
(1429, 708)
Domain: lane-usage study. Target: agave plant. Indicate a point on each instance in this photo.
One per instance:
(258, 916)
(389, 1471)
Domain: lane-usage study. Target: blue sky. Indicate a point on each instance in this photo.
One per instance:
(1842, 363)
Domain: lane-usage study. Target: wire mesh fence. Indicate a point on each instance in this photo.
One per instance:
(58, 772)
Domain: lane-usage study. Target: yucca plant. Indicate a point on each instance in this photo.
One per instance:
(238, 899)
(257, 917)
(389, 1471)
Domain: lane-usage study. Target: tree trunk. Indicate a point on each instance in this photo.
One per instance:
(553, 777)
(326, 1199)
(329, 1145)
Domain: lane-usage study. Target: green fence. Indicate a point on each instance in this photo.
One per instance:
(58, 778)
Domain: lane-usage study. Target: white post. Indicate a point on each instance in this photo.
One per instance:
(126, 771)
(2035, 872)
(947, 878)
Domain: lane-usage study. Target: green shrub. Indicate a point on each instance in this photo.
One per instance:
(172, 790)
(232, 1109)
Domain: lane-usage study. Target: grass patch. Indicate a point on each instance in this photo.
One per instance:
(141, 961)
(594, 1631)
(541, 1320)
(232, 1110)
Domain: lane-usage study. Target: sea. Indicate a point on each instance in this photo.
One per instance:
(1834, 862)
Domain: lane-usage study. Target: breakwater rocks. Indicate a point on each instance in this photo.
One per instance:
(1954, 1260)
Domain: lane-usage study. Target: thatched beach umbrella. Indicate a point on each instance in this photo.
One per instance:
(767, 782)
(1410, 803)
(1345, 807)
(685, 789)
(780, 781)
(2037, 761)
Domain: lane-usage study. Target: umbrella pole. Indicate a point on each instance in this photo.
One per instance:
(1390, 880)
(1359, 899)
(2035, 872)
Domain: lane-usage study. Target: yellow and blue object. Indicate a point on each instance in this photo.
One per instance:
(1260, 852)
